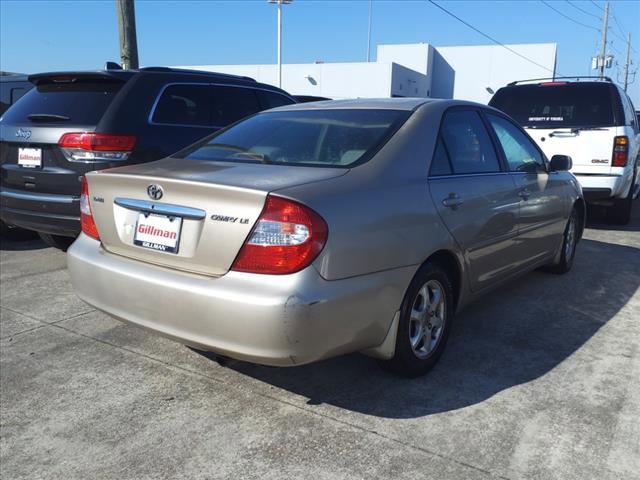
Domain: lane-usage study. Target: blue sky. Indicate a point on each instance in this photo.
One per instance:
(59, 35)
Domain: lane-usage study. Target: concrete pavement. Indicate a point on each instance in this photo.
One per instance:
(539, 380)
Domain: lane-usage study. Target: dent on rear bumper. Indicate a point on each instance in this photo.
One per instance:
(269, 319)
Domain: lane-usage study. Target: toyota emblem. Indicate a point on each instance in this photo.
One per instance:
(155, 191)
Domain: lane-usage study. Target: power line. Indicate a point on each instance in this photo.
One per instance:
(583, 11)
(491, 38)
(597, 5)
(620, 29)
(570, 18)
(613, 32)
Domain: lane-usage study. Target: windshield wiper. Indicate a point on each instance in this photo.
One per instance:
(44, 117)
(577, 129)
(573, 130)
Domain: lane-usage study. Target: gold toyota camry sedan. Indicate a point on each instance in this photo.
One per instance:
(314, 230)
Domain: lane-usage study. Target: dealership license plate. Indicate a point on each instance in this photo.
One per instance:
(30, 157)
(158, 232)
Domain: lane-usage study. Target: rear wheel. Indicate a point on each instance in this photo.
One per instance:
(620, 212)
(57, 241)
(569, 243)
(425, 322)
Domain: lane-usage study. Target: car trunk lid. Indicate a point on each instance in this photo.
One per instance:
(202, 217)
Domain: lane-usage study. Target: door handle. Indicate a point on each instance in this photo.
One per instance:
(525, 193)
(452, 201)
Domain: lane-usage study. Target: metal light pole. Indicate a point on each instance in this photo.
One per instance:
(280, 3)
(369, 32)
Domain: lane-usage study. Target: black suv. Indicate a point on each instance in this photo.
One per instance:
(75, 122)
(12, 87)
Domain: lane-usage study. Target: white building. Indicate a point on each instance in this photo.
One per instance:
(410, 70)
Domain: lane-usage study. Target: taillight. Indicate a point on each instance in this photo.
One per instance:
(86, 217)
(620, 151)
(91, 146)
(287, 237)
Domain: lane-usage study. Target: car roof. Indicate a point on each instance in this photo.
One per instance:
(13, 78)
(173, 73)
(405, 103)
(558, 83)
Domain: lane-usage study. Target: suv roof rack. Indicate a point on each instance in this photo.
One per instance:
(553, 79)
(186, 70)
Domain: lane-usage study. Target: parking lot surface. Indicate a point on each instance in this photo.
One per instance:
(539, 380)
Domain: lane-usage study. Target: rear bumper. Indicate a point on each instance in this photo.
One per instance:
(47, 213)
(269, 319)
(604, 187)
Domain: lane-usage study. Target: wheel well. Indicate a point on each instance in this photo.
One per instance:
(448, 261)
(580, 206)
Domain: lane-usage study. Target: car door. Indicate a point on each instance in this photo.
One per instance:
(475, 197)
(543, 207)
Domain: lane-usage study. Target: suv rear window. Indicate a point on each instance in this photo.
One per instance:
(82, 102)
(326, 138)
(548, 106)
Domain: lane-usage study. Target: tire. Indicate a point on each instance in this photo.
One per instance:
(569, 243)
(419, 343)
(57, 241)
(4, 229)
(620, 212)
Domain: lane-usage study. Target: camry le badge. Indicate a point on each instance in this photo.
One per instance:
(24, 134)
(155, 191)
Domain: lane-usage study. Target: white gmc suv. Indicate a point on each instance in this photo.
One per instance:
(593, 122)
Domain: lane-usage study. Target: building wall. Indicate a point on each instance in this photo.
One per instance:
(334, 80)
(477, 67)
(417, 57)
(409, 70)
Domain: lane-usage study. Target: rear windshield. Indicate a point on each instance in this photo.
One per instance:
(571, 105)
(79, 103)
(330, 138)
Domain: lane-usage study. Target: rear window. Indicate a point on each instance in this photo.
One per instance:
(78, 103)
(329, 138)
(570, 105)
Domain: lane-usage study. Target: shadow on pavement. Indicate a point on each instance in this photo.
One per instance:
(514, 335)
(597, 219)
(20, 239)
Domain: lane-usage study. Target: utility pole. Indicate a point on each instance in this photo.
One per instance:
(626, 63)
(125, 11)
(369, 32)
(603, 50)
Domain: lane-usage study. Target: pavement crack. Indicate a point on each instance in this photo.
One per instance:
(31, 274)
(284, 402)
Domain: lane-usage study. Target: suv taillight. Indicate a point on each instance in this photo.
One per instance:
(86, 217)
(287, 237)
(620, 151)
(91, 146)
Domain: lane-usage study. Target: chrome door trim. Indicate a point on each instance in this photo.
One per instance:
(161, 208)
(465, 175)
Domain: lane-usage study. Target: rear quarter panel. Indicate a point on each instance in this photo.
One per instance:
(380, 215)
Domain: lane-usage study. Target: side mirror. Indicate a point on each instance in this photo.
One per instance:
(561, 163)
